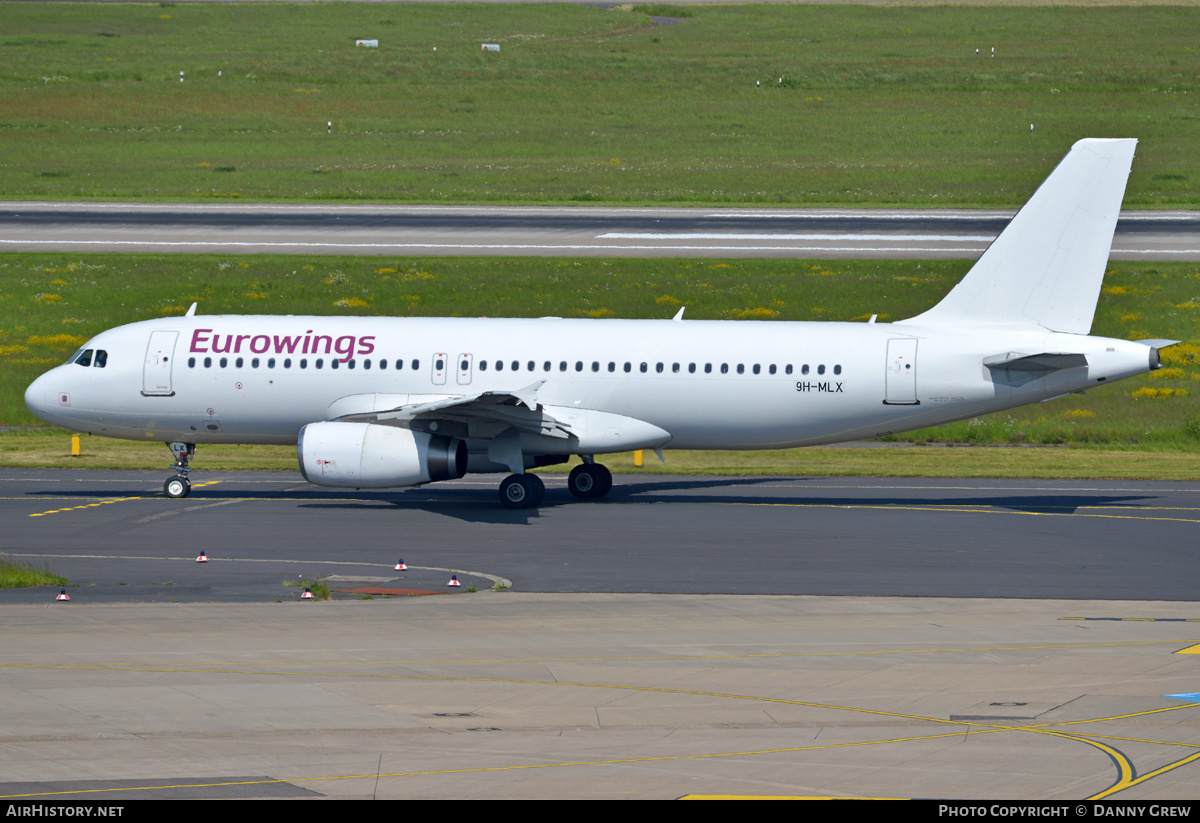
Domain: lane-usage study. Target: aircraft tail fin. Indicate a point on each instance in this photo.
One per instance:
(1047, 266)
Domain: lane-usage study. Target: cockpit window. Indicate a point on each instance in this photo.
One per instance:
(101, 358)
(84, 359)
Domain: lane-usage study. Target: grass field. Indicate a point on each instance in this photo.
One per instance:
(53, 303)
(884, 104)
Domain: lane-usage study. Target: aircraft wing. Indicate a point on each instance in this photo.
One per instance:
(512, 422)
(483, 415)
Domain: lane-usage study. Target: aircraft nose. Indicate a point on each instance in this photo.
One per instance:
(35, 396)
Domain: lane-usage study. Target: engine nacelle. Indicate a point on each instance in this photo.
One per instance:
(371, 456)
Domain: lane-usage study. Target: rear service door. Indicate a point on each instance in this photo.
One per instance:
(901, 388)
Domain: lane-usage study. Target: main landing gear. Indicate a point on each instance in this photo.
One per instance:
(522, 491)
(588, 481)
(179, 485)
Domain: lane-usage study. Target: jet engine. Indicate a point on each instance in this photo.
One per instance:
(371, 456)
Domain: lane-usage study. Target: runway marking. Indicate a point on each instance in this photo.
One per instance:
(84, 506)
(845, 238)
(1142, 620)
(957, 510)
(100, 503)
(188, 509)
(495, 578)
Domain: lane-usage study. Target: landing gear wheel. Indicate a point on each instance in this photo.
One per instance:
(539, 489)
(589, 481)
(521, 491)
(177, 487)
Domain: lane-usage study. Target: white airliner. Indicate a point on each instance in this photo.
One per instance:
(377, 402)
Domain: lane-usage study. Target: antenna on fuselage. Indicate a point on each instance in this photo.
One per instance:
(679, 314)
(192, 311)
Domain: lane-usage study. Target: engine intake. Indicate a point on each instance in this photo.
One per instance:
(371, 456)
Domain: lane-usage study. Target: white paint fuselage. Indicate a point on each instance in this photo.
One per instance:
(843, 396)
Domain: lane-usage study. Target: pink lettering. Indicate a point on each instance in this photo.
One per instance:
(286, 345)
(254, 344)
(365, 346)
(345, 347)
(237, 347)
(200, 336)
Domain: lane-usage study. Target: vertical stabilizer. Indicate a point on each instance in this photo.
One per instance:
(1047, 266)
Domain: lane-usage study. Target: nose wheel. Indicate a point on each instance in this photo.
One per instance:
(179, 485)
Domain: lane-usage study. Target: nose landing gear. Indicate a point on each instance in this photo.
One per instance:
(179, 485)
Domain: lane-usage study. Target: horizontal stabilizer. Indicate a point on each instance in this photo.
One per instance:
(1044, 362)
(1158, 344)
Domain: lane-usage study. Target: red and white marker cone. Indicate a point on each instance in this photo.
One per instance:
(203, 558)
(62, 595)
(308, 595)
(454, 580)
(400, 566)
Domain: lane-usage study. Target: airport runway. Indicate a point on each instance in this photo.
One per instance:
(119, 539)
(548, 231)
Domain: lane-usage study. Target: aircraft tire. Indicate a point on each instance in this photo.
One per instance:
(589, 481)
(520, 491)
(177, 487)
